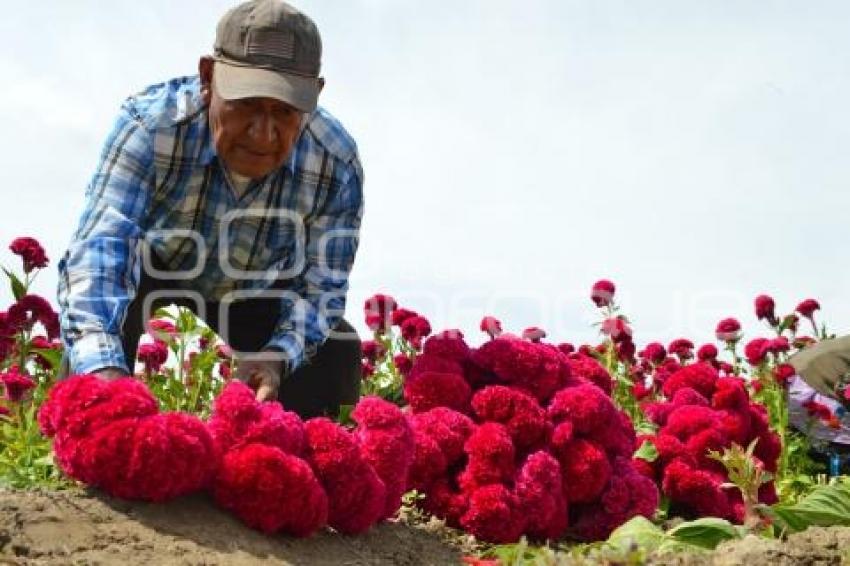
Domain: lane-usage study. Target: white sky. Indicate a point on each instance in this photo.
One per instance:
(515, 152)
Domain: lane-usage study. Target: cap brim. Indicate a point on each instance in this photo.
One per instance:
(234, 81)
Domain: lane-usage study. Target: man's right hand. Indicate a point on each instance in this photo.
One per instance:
(110, 373)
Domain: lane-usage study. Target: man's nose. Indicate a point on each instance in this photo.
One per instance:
(263, 129)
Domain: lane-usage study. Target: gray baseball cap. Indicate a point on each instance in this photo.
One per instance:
(267, 48)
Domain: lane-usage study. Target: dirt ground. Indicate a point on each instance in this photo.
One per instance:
(82, 528)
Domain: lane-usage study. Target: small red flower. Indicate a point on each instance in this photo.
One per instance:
(161, 329)
(707, 353)
(403, 364)
(783, 374)
(728, 330)
(756, 350)
(378, 310)
(818, 410)
(399, 315)
(31, 309)
(808, 307)
(491, 326)
(617, 329)
(153, 355)
(15, 384)
(414, 329)
(367, 369)
(681, 348)
(373, 350)
(602, 293)
(653, 352)
(533, 334)
(31, 253)
(765, 309)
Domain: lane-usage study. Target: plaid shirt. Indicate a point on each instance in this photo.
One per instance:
(159, 182)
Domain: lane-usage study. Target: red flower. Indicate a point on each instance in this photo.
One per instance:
(808, 307)
(494, 515)
(356, 494)
(490, 457)
(602, 293)
(224, 352)
(778, 345)
(640, 391)
(31, 253)
(15, 384)
(682, 348)
(728, 330)
(521, 414)
(626, 351)
(31, 309)
(378, 310)
(373, 350)
(617, 329)
(756, 350)
(585, 406)
(765, 309)
(707, 353)
(399, 315)
(386, 442)
(224, 370)
(403, 364)
(585, 468)
(435, 389)
(367, 369)
(818, 410)
(491, 326)
(254, 481)
(153, 355)
(414, 329)
(539, 491)
(653, 352)
(533, 334)
(700, 377)
(566, 348)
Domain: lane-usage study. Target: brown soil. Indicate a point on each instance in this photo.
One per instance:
(819, 546)
(86, 528)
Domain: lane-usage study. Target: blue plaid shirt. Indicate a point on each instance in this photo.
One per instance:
(159, 182)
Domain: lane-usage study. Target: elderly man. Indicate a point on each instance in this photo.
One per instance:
(230, 192)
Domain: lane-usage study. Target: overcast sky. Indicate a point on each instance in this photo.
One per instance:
(692, 151)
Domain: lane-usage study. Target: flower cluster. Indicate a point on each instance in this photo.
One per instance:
(261, 462)
(517, 437)
(705, 412)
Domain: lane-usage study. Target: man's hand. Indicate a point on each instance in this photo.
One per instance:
(110, 373)
(260, 372)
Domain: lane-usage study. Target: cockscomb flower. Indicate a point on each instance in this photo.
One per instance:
(626, 351)
(539, 492)
(783, 374)
(427, 390)
(653, 352)
(403, 364)
(399, 315)
(356, 494)
(387, 444)
(271, 491)
(522, 415)
(700, 377)
(756, 350)
(449, 429)
(616, 328)
(490, 457)
(707, 353)
(378, 311)
(448, 344)
(728, 330)
(682, 348)
(30, 251)
(491, 326)
(585, 469)
(808, 307)
(602, 293)
(533, 334)
(15, 384)
(765, 309)
(153, 355)
(586, 406)
(373, 350)
(30, 309)
(587, 369)
(414, 329)
(494, 514)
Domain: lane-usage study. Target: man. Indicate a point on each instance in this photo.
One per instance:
(820, 371)
(230, 192)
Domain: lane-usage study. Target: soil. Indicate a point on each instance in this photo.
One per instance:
(87, 528)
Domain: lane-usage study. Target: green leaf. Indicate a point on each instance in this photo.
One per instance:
(825, 506)
(344, 417)
(637, 531)
(18, 288)
(647, 451)
(53, 357)
(706, 532)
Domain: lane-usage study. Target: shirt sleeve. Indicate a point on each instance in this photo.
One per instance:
(316, 301)
(98, 274)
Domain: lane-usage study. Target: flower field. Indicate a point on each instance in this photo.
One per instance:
(514, 447)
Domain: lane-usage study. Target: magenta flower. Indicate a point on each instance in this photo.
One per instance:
(15, 384)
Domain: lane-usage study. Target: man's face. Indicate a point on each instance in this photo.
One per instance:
(252, 136)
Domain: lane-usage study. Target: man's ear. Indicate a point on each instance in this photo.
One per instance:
(321, 81)
(205, 71)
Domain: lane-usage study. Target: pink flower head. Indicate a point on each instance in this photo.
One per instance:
(602, 293)
(494, 515)
(378, 310)
(626, 351)
(491, 326)
(616, 328)
(701, 377)
(367, 369)
(681, 348)
(224, 352)
(30, 251)
(586, 406)
(428, 390)
(707, 353)
(778, 345)
(783, 374)
(566, 348)
(728, 330)
(161, 329)
(765, 309)
(403, 364)
(31, 309)
(653, 352)
(15, 384)
(153, 355)
(533, 334)
(522, 415)
(808, 307)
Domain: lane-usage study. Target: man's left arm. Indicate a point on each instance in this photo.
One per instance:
(317, 302)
